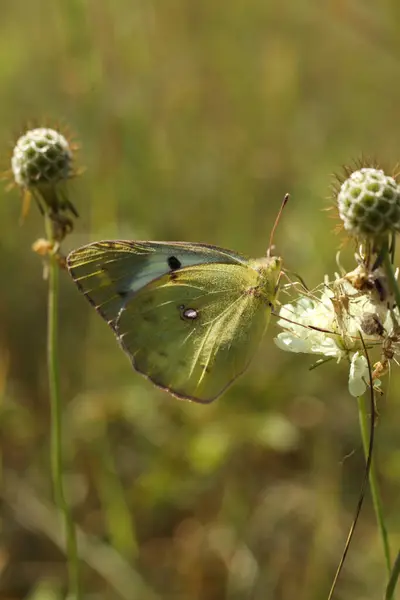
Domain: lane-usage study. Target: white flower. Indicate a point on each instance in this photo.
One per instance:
(358, 375)
(330, 326)
(299, 337)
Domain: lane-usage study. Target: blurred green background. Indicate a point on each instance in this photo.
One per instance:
(194, 118)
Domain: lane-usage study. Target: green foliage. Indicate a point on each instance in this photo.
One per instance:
(195, 118)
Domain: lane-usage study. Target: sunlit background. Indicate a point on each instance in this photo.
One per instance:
(194, 119)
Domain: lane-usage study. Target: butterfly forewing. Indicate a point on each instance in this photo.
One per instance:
(194, 331)
(110, 272)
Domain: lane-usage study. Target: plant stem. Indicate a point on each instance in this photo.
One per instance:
(393, 579)
(57, 461)
(373, 483)
(391, 277)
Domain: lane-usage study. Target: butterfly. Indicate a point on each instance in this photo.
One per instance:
(190, 316)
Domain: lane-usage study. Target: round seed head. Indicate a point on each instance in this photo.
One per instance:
(369, 203)
(41, 156)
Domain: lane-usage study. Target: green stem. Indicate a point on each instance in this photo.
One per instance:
(393, 579)
(390, 272)
(57, 461)
(373, 483)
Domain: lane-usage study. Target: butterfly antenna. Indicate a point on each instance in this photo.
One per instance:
(298, 277)
(313, 327)
(366, 473)
(278, 218)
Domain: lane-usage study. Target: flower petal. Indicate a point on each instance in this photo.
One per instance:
(358, 375)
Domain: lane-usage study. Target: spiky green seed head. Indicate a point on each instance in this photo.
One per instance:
(41, 156)
(369, 203)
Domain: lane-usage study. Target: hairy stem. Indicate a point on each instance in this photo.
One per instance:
(57, 461)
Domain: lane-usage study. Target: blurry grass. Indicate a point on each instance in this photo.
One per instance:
(394, 576)
(120, 526)
(31, 512)
(4, 367)
(195, 119)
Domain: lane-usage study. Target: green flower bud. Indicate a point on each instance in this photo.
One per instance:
(41, 157)
(42, 164)
(369, 203)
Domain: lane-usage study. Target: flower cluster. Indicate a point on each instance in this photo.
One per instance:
(330, 325)
(360, 309)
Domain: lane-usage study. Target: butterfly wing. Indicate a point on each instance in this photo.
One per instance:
(109, 273)
(194, 331)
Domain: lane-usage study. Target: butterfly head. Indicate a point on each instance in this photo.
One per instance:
(269, 266)
(269, 269)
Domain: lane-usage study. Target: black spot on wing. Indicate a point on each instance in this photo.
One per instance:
(174, 263)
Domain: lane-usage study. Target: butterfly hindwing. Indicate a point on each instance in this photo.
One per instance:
(108, 273)
(194, 331)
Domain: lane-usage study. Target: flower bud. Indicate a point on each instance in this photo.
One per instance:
(369, 203)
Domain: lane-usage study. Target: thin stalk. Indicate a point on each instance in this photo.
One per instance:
(57, 461)
(390, 272)
(394, 576)
(373, 483)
